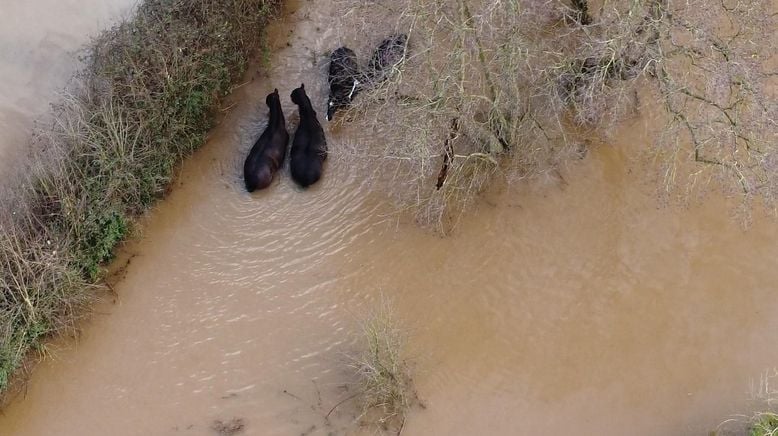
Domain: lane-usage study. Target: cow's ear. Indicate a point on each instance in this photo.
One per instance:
(302, 86)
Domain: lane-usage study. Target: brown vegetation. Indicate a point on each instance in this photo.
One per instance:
(502, 89)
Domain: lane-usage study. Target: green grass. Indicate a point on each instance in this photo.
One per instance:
(148, 95)
(763, 424)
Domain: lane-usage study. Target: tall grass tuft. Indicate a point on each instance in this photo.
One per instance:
(148, 95)
(762, 422)
(386, 390)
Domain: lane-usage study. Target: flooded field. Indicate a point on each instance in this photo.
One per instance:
(39, 46)
(580, 307)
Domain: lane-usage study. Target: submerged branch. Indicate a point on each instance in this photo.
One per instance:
(448, 153)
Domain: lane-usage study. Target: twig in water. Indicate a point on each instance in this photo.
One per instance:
(338, 405)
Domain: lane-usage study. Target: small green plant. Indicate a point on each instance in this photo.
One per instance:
(108, 230)
(764, 424)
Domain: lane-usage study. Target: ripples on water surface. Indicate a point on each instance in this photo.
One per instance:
(579, 306)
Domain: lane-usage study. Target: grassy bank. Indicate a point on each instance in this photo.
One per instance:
(148, 95)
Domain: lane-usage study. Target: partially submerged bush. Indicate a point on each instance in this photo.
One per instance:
(147, 98)
(717, 82)
(503, 88)
(386, 390)
(456, 104)
(481, 94)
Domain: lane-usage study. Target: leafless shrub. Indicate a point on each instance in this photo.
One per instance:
(499, 88)
(763, 422)
(458, 111)
(717, 79)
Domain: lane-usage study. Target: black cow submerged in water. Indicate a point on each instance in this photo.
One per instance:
(309, 147)
(343, 80)
(385, 58)
(268, 153)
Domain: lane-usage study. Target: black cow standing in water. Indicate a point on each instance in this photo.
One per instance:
(268, 153)
(309, 147)
(343, 80)
(385, 58)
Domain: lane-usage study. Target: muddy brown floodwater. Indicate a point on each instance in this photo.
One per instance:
(581, 308)
(39, 43)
